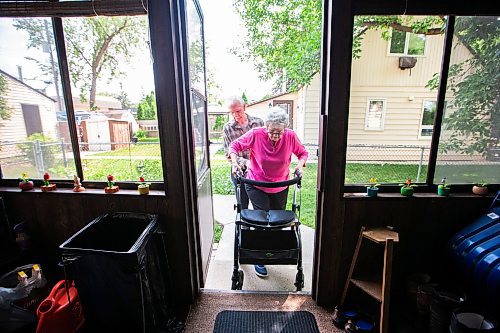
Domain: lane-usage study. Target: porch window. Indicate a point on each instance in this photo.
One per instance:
(375, 114)
(112, 87)
(406, 43)
(34, 136)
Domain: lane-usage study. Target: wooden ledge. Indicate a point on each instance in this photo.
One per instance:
(88, 191)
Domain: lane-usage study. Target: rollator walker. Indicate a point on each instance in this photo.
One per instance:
(267, 237)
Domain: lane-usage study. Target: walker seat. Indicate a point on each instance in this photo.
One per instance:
(273, 218)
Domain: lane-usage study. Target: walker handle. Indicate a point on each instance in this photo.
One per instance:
(293, 181)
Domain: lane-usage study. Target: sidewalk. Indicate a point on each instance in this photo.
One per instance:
(281, 277)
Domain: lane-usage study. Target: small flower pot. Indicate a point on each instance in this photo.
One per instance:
(443, 191)
(26, 186)
(112, 189)
(143, 189)
(407, 191)
(371, 192)
(48, 188)
(480, 190)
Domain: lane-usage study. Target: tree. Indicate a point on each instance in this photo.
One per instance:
(123, 98)
(40, 36)
(96, 47)
(284, 37)
(5, 112)
(146, 110)
(474, 121)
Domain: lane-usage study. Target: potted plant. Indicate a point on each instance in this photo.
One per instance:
(47, 187)
(480, 188)
(25, 184)
(372, 188)
(407, 188)
(111, 188)
(143, 187)
(443, 188)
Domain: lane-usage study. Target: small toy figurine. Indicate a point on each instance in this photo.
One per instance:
(47, 187)
(111, 188)
(77, 185)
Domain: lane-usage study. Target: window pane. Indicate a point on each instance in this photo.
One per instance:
(397, 150)
(398, 41)
(429, 112)
(34, 135)
(375, 115)
(470, 139)
(197, 81)
(416, 44)
(113, 97)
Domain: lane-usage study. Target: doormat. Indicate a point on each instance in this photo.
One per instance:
(265, 321)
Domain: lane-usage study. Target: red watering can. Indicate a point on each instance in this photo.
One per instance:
(61, 311)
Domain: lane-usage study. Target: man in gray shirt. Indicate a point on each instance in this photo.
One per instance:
(233, 129)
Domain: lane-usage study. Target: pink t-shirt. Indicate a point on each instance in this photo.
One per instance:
(268, 162)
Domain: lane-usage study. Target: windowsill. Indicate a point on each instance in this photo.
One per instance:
(66, 191)
(416, 195)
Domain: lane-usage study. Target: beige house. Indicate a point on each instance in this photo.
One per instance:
(389, 104)
(31, 112)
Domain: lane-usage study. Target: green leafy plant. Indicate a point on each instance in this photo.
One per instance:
(142, 182)
(46, 178)
(408, 184)
(24, 178)
(373, 184)
(482, 183)
(111, 181)
(443, 184)
(141, 134)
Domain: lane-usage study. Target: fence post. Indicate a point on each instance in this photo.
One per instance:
(65, 160)
(420, 163)
(39, 157)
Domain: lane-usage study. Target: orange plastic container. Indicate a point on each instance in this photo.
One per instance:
(57, 314)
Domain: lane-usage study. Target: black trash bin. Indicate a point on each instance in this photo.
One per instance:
(120, 268)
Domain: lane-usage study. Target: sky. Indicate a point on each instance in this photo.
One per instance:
(223, 30)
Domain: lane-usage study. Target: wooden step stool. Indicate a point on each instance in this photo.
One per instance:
(373, 281)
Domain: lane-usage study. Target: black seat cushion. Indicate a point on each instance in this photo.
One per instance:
(279, 217)
(271, 218)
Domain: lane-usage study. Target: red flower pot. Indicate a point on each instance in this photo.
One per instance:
(48, 188)
(26, 186)
(112, 189)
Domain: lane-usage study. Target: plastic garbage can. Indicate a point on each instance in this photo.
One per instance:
(119, 265)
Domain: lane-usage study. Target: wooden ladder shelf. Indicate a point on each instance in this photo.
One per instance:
(378, 287)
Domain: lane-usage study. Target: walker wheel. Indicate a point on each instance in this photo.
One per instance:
(299, 281)
(237, 283)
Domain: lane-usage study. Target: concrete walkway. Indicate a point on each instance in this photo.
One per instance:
(281, 277)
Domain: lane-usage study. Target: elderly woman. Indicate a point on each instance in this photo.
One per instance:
(271, 148)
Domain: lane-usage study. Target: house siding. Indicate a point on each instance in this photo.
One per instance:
(14, 129)
(376, 75)
(260, 109)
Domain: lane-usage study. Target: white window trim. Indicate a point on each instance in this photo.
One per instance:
(368, 111)
(421, 127)
(407, 44)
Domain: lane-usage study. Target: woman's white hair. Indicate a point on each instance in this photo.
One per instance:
(276, 116)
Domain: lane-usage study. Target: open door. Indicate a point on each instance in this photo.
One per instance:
(199, 122)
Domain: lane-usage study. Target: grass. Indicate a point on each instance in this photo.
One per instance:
(145, 149)
(217, 232)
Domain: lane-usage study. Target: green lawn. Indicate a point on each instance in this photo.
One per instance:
(138, 149)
